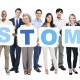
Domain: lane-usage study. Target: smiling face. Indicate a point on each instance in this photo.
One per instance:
(26, 19)
(59, 14)
(4, 15)
(17, 13)
(38, 14)
(49, 18)
(72, 19)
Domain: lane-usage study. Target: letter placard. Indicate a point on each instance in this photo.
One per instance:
(48, 37)
(27, 36)
(71, 36)
(6, 37)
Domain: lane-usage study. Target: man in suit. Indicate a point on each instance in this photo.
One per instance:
(15, 57)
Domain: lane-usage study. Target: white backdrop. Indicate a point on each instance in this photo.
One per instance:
(29, 6)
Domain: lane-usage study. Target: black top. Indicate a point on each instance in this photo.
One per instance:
(76, 24)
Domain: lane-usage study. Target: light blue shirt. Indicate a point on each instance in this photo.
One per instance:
(37, 24)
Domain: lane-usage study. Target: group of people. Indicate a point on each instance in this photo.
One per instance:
(27, 52)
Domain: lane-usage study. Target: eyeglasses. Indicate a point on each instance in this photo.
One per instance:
(38, 13)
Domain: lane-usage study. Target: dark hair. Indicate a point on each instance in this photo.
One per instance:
(18, 9)
(38, 10)
(59, 9)
(51, 23)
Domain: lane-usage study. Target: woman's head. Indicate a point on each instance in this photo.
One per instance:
(26, 18)
(49, 18)
(72, 18)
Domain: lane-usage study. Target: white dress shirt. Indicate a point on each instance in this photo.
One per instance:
(17, 19)
(59, 23)
(7, 22)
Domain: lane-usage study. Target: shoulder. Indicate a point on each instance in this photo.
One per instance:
(31, 25)
(0, 20)
(55, 20)
(22, 25)
(67, 24)
(33, 21)
(43, 25)
(9, 22)
(20, 19)
(11, 19)
(54, 25)
(77, 24)
(78, 21)
(64, 20)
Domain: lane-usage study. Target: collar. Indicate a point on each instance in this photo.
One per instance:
(16, 18)
(59, 19)
(74, 24)
(38, 20)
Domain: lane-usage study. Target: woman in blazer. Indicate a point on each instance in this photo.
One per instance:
(49, 23)
(72, 22)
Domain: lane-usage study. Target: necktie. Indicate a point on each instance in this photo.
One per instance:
(16, 23)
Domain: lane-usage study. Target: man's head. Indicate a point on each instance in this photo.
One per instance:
(18, 12)
(59, 13)
(38, 13)
(3, 15)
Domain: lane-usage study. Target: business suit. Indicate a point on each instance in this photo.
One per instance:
(15, 60)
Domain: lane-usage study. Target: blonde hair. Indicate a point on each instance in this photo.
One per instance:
(73, 16)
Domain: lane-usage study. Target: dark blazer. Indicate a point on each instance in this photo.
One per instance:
(20, 23)
(44, 25)
(76, 24)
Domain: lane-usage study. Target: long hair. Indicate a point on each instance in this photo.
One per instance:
(51, 23)
(73, 16)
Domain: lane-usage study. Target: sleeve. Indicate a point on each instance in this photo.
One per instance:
(78, 22)
(42, 26)
(11, 24)
(9, 19)
(65, 22)
(54, 22)
(54, 25)
(32, 23)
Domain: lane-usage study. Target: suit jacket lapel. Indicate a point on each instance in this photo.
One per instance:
(19, 21)
(13, 21)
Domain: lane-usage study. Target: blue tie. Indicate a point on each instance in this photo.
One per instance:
(16, 23)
